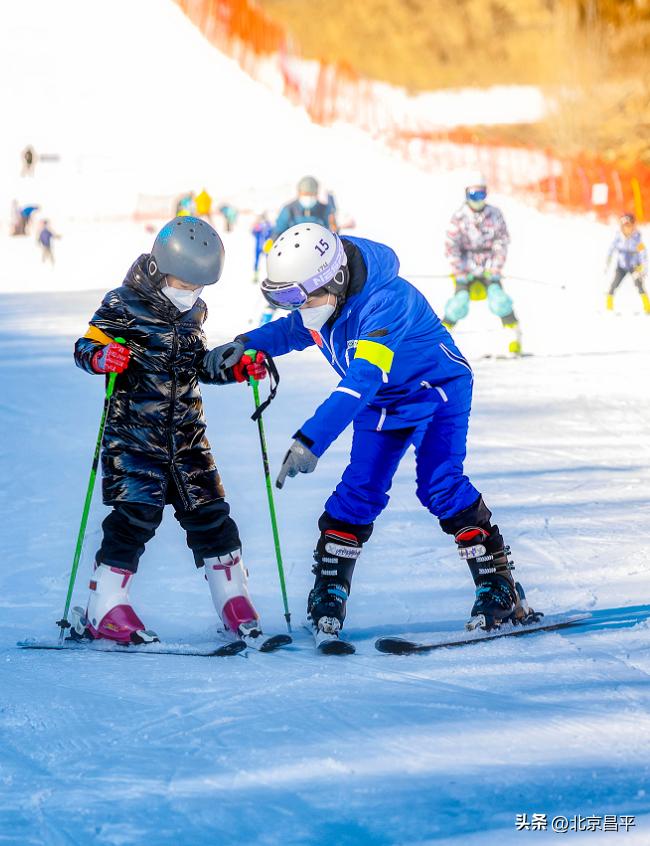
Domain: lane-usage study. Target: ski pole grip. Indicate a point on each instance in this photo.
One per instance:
(252, 381)
(113, 376)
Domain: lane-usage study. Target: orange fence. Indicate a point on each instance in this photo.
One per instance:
(336, 93)
(578, 183)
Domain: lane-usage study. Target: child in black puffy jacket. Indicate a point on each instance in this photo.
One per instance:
(155, 451)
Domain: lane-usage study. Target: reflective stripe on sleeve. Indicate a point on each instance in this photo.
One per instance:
(377, 354)
(352, 393)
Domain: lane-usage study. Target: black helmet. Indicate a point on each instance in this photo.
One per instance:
(188, 248)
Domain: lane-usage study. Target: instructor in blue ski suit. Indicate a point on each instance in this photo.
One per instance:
(402, 382)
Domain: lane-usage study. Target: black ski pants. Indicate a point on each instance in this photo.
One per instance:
(620, 275)
(210, 531)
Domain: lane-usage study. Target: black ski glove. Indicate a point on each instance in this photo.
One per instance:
(217, 362)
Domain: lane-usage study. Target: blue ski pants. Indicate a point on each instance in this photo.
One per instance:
(440, 448)
(500, 303)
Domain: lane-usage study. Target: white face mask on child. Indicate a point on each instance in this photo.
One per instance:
(315, 318)
(182, 298)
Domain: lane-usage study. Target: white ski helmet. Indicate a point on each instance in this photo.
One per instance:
(475, 179)
(475, 190)
(303, 259)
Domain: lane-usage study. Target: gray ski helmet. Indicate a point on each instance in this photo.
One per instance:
(188, 248)
(308, 185)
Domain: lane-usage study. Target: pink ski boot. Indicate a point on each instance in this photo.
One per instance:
(109, 614)
(228, 581)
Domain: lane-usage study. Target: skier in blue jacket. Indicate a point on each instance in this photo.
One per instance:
(306, 208)
(402, 382)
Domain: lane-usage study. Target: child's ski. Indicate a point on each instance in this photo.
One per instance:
(225, 650)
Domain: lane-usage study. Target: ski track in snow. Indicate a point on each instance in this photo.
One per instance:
(294, 748)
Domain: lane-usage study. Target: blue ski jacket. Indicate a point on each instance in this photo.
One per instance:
(294, 213)
(396, 360)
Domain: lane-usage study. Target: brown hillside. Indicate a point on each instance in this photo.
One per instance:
(593, 56)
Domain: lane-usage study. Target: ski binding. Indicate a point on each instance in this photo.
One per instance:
(254, 638)
(327, 640)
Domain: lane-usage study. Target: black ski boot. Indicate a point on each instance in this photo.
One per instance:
(334, 557)
(497, 597)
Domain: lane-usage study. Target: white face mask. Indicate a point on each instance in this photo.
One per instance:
(307, 201)
(182, 298)
(316, 317)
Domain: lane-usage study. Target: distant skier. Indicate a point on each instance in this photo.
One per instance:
(22, 218)
(230, 215)
(45, 238)
(185, 205)
(304, 209)
(203, 205)
(155, 450)
(477, 246)
(29, 161)
(261, 231)
(631, 258)
(403, 382)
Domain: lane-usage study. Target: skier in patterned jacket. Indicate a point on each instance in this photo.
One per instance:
(403, 383)
(631, 258)
(477, 247)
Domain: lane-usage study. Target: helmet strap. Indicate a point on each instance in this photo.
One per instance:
(339, 282)
(152, 270)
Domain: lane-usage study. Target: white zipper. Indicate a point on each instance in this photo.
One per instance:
(382, 417)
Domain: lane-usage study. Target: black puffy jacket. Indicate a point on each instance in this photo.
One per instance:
(155, 430)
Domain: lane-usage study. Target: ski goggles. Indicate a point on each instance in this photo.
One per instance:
(289, 297)
(292, 295)
(476, 195)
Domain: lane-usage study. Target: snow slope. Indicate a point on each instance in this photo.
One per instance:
(292, 748)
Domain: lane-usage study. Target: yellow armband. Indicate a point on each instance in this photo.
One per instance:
(95, 334)
(377, 354)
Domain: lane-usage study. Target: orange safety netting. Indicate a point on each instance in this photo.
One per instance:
(331, 93)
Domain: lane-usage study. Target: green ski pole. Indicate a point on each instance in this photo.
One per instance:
(269, 492)
(63, 622)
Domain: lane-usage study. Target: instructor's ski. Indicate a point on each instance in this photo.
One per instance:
(402, 646)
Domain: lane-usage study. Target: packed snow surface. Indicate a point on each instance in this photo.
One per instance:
(295, 748)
